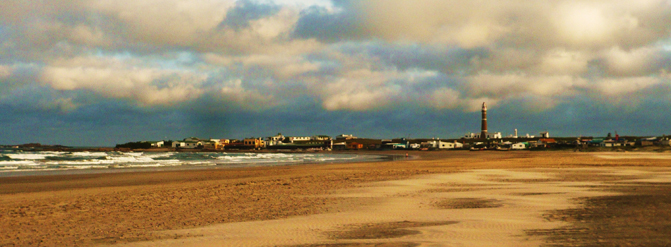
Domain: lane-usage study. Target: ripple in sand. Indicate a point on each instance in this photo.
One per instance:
(463, 203)
(384, 230)
(537, 194)
(399, 244)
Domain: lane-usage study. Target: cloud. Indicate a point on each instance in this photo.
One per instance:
(115, 78)
(624, 87)
(635, 62)
(282, 66)
(5, 71)
(248, 99)
(245, 11)
(348, 55)
(365, 89)
(164, 22)
(64, 105)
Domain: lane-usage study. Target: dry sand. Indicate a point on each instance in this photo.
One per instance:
(456, 198)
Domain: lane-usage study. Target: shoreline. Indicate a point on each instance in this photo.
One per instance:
(366, 157)
(132, 208)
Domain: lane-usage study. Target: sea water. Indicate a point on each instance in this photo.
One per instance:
(19, 163)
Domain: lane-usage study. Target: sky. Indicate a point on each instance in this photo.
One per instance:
(102, 72)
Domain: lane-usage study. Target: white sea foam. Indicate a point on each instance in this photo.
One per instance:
(47, 161)
(30, 156)
(89, 154)
(159, 155)
(134, 153)
(19, 163)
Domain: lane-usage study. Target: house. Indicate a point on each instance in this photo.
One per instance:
(398, 145)
(255, 143)
(449, 145)
(221, 144)
(354, 145)
(300, 138)
(518, 146)
(339, 146)
(346, 137)
(644, 143)
(471, 136)
(545, 134)
(321, 138)
(275, 140)
(213, 144)
(665, 142)
(157, 144)
(438, 144)
(610, 143)
(491, 135)
(187, 144)
(494, 135)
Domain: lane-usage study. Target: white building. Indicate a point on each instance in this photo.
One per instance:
(442, 145)
(275, 140)
(187, 144)
(491, 135)
(518, 145)
(346, 137)
(471, 136)
(665, 142)
(321, 138)
(300, 138)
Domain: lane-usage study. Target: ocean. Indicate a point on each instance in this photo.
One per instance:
(27, 163)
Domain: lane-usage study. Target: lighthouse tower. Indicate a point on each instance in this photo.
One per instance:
(483, 134)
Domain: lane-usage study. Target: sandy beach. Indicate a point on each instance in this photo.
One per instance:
(442, 198)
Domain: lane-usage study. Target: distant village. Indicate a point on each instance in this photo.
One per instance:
(469, 141)
(484, 140)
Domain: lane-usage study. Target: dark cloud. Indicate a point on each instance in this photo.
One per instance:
(447, 59)
(245, 11)
(318, 22)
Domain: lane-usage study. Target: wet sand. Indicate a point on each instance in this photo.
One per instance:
(443, 198)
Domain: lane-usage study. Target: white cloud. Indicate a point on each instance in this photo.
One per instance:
(444, 98)
(630, 63)
(249, 99)
(516, 84)
(171, 22)
(359, 90)
(283, 66)
(507, 50)
(365, 89)
(273, 26)
(624, 87)
(563, 62)
(119, 79)
(5, 71)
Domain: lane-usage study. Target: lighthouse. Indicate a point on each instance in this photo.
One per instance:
(483, 133)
